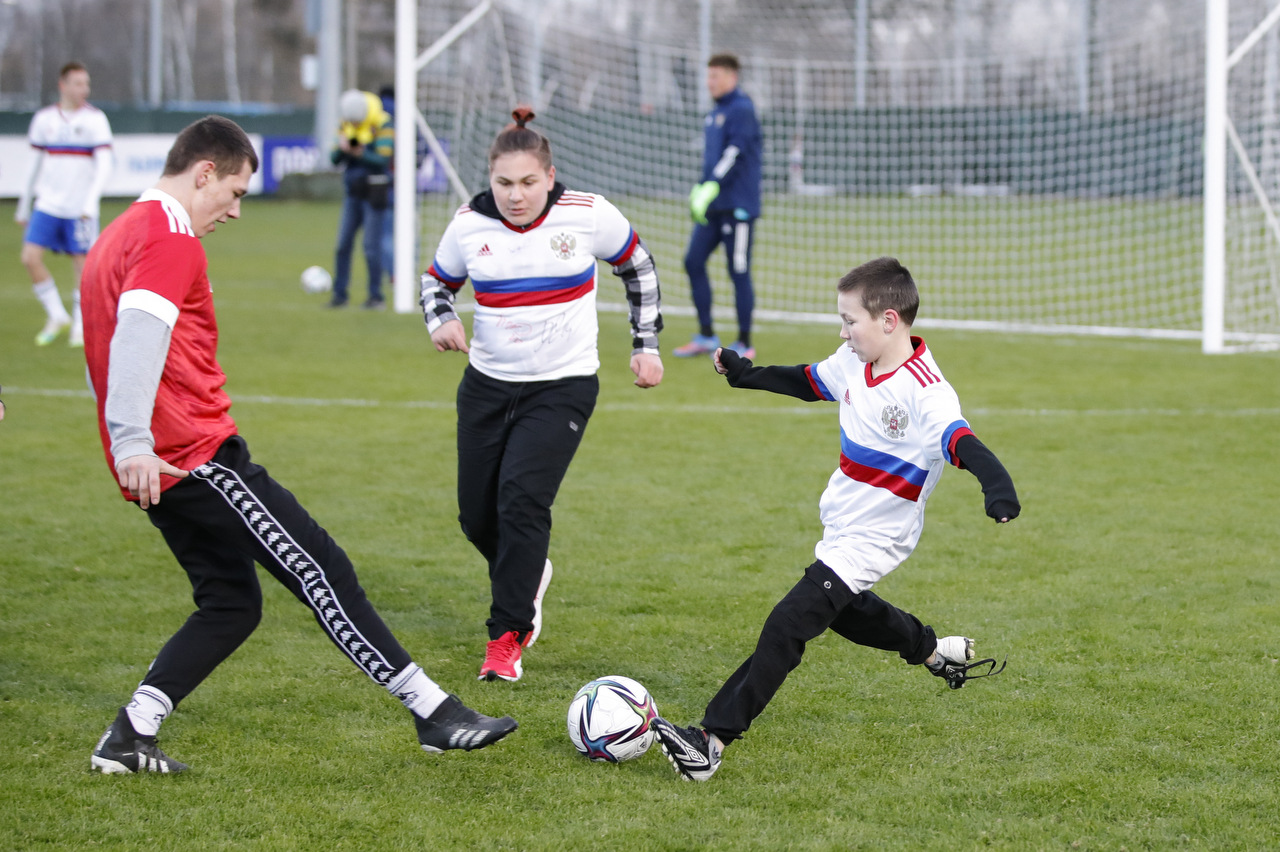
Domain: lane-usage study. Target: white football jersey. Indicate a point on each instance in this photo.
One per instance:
(69, 181)
(897, 431)
(535, 287)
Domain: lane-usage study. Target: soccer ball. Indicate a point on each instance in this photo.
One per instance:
(610, 719)
(316, 279)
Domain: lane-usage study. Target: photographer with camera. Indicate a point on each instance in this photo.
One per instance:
(366, 139)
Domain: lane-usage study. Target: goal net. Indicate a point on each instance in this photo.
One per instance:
(1038, 165)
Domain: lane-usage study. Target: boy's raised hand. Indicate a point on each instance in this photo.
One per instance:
(1003, 510)
(730, 364)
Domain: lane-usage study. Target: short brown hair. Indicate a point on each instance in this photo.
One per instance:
(883, 283)
(213, 138)
(71, 67)
(725, 60)
(515, 137)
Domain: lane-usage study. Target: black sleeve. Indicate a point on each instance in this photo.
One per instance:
(997, 485)
(790, 381)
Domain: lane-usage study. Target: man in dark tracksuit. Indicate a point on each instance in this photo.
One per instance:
(725, 205)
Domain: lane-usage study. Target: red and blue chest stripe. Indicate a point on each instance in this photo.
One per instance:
(880, 469)
(69, 150)
(525, 291)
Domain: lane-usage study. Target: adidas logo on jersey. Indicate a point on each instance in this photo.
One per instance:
(484, 251)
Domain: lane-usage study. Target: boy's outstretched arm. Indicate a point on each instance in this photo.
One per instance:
(997, 485)
(791, 381)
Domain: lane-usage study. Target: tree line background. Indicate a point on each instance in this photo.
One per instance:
(250, 52)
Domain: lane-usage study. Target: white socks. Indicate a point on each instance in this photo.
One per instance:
(419, 693)
(148, 709)
(47, 292)
(415, 690)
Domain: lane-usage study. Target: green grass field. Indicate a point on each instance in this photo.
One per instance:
(1137, 600)
(1037, 260)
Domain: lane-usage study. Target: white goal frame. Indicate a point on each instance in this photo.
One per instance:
(1218, 132)
(408, 64)
(1221, 143)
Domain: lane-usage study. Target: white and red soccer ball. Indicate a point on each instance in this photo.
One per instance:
(611, 719)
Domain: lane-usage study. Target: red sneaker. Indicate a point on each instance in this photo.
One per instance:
(502, 658)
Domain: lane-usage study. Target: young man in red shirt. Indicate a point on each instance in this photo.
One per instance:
(151, 345)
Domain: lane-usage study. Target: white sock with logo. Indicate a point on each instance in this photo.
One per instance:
(148, 709)
(419, 693)
(47, 292)
(75, 308)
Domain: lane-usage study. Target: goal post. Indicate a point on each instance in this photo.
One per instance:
(405, 225)
(1215, 171)
(1042, 168)
(1241, 289)
(411, 123)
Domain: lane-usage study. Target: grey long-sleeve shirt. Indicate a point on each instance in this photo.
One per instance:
(139, 349)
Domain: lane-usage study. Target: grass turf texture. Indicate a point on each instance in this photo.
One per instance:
(1135, 598)
(1060, 261)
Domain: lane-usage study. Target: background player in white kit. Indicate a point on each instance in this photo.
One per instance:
(900, 424)
(73, 159)
(529, 246)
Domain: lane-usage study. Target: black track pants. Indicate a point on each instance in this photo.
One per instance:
(227, 515)
(515, 442)
(819, 601)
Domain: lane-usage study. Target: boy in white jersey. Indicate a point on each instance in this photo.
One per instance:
(73, 144)
(900, 424)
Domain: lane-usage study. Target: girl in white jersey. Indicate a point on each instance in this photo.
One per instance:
(530, 247)
(900, 425)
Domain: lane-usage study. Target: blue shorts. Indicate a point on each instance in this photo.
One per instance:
(68, 236)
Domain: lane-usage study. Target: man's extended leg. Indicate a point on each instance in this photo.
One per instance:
(255, 513)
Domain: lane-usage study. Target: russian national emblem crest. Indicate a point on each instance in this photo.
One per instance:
(563, 245)
(896, 420)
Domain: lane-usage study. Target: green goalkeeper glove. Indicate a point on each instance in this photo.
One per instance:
(700, 199)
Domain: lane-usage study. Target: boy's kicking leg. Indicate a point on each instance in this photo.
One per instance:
(803, 614)
(872, 621)
(818, 601)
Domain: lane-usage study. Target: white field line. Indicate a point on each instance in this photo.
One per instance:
(786, 410)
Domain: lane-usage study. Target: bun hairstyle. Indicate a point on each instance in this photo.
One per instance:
(517, 137)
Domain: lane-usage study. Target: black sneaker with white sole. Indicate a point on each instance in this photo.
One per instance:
(123, 750)
(455, 725)
(693, 752)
